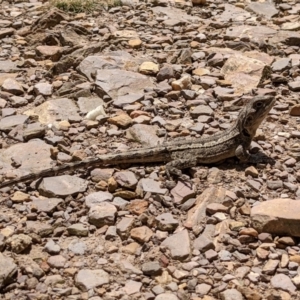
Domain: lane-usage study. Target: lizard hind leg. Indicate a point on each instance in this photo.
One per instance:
(174, 167)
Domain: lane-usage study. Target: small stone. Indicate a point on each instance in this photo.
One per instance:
(52, 248)
(136, 207)
(56, 261)
(231, 294)
(88, 279)
(274, 184)
(43, 88)
(270, 267)
(18, 243)
(295, 110)
(179, 245)
(294, 85)
(20, 197)
(12, 86)
(122, 120)
(141, 234)
(149, 68)
(151, 268)
(102, 214)
(131, 287)
(135, 43)
(166, 222)
(251, 171)
(283, 282)
(211, 255)
(78, 230)
(8, 270)
(182, 83)
(203, 289)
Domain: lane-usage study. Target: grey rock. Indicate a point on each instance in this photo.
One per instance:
(8, 270)
(203, 289)
(87, 104)
(124, 226)
(152, 268)
(97, 198)
(150, 185)
(88, 279)
(132, 287)
(126, 179)
(283, 282)
(294, 85)
(56, 261)
(232, 12)
(62, 186)
(102, 214)
(43, 88)
(267, 9)
(51, 247)
(281, 64)
(46, 205)
(78, 229)
(17, 101)
(115, 83)
(274, 184)
(231, 294)
(201, 110)
(277, 216)
(12, 86)
(39, 228)
(182, 192)
(77, 247)
(8, 123)
(144, 134)
(178, 244)
(111, 233)
(53, 111)
(166, 222)
(166, 296)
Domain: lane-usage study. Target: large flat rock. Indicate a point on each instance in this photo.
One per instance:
(232, 12)
(290, 38)
(8, 66)
(32, 156)
(62, 186)
(254, 33)
(277, 216)
(115, 83)
(54, 110)
(267, 9)
(10, 122)
(173, 14)
(111, 60)
(245, 73)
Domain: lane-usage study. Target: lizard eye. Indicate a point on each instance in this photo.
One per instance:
(258, 104)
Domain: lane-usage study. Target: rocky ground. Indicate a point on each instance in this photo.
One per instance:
(79, 85)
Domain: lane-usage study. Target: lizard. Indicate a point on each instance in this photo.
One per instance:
(178, 155)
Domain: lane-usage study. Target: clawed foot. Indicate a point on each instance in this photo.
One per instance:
(169, 184)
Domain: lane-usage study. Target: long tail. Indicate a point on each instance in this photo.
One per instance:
(94, 161)
(140, 155)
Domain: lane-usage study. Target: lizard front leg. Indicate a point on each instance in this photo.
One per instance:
(242, 153)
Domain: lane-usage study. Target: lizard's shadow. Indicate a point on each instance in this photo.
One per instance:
(234, 163)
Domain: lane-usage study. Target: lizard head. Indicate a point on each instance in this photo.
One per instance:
(253, 113)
